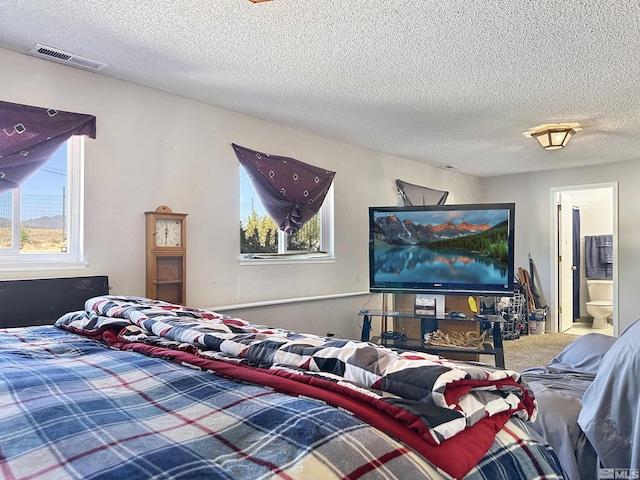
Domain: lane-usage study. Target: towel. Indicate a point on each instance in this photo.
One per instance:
(594, 266)
(605, 248)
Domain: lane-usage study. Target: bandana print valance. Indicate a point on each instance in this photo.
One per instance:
(29, 136)
(291, 191)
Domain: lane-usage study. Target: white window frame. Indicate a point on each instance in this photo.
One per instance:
(12, 260)
(326, 214)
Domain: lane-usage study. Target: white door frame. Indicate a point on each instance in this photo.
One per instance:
(553, 324)
(564, 262)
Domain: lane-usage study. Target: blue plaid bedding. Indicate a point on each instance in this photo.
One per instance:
(70, 407)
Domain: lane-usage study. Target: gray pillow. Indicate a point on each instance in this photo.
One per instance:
(584, 354)
(610, 414)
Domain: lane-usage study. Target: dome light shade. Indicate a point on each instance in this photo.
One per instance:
(553, 136)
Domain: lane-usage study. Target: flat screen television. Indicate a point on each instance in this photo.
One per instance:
(442, 249)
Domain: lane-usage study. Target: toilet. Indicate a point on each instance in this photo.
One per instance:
(600, 304)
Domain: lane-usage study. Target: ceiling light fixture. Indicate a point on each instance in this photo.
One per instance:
(553, 136)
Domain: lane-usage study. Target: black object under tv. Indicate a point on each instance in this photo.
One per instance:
(442, 249)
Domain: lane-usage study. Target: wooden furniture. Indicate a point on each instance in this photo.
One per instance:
(42, 301)
(166, 242)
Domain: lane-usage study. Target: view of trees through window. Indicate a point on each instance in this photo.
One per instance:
(259, 233)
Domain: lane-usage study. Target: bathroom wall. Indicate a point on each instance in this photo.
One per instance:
(596, 218)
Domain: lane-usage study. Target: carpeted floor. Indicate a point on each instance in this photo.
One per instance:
(534, 350)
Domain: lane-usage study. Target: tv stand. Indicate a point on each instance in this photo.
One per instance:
(430, 324)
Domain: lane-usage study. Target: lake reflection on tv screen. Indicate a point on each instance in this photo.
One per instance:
(413, 264)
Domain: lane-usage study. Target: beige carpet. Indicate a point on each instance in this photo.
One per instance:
(534, 350)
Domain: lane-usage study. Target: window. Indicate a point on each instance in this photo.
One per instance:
(40, 222)
(260, 236)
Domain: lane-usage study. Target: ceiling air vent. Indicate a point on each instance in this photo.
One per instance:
(68, 58)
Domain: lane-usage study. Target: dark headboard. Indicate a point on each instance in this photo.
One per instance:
(42, 301)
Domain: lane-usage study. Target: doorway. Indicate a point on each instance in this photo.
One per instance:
(597, 207)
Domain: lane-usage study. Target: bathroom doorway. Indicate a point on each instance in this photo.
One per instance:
(595, 208)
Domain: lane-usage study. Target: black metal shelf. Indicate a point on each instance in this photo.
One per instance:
(430, 324)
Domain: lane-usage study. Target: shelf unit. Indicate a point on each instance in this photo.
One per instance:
(168, 284)
(431, 324)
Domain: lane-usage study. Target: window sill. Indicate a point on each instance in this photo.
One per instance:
(279, 259)
(31, 266)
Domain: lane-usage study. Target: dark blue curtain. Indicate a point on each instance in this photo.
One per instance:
(576, 263)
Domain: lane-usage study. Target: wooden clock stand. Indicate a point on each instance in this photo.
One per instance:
(166, 259)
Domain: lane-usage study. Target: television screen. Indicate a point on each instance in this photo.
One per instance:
(442, 249)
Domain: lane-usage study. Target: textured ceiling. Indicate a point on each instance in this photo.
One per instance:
(442, 82)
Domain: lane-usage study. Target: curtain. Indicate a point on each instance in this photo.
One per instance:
(291, 191)
(419, 195)
(30, 135)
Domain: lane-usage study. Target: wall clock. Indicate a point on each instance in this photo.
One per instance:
(168, 233)
(166, 255)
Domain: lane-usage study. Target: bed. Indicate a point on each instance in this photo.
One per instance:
(589, 405)
(136, 388)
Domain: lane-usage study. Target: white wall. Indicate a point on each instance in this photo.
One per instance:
(155, 148)
(531, 192)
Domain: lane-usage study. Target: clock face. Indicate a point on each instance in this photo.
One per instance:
(168, 232)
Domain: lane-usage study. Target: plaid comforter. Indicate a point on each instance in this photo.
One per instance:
(72, 408)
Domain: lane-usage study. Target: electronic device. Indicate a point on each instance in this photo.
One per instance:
(442, 249)
(424, 306)
(393, 335)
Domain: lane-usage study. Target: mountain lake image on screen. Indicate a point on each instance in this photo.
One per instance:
(442, 248)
